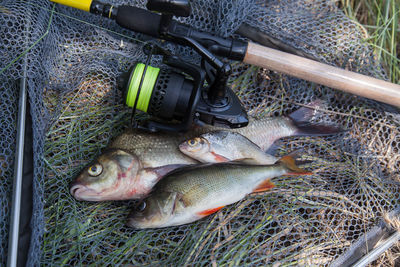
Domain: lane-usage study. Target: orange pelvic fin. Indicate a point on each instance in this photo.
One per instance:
(290, 163)
(264, 186)
(210, 211)
(219, 158)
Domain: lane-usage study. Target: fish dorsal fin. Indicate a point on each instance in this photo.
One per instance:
(264, 186)
(290, 163)
(209, 211)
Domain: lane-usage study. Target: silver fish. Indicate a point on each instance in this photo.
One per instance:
(223, 146)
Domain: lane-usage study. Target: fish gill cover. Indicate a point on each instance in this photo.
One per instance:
(74, 59)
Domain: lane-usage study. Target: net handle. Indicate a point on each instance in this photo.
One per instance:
(323, 74)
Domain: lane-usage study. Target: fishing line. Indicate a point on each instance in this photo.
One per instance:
(143, 106)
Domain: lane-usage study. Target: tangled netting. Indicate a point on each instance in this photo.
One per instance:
(73, 61)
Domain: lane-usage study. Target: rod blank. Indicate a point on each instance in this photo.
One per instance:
(324, 74)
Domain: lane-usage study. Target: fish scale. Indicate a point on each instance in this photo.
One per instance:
(265, 132)
(217, 179)
(190, 193)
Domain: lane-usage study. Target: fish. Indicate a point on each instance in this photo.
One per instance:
(223, 146)
(117, 175)
(156, 154)
(194, 192)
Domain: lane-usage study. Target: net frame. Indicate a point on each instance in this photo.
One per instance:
(53, 90)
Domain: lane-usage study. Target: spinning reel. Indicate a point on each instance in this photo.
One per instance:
(185, 93)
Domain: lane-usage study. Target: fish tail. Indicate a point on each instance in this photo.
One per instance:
(290, 163)
(307, 128)
(297, 154)
(306, 113)
(301, 120)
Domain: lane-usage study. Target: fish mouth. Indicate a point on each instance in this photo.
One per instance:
(137, 220)
(74, 188)
(183, 146)
(131, 223)
(185, 149)
(136, 223)
(78, 189)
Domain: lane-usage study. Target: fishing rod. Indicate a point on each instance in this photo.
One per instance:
(187, 100)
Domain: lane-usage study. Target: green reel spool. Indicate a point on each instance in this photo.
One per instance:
(146, 91)
(164, 93)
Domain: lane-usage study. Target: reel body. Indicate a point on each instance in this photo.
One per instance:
(178, 96)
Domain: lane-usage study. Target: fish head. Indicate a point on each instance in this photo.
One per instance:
(107, 178)
(213, 147)
(197, 148)
(154, 211)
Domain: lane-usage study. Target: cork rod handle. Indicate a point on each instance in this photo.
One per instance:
(324, 74)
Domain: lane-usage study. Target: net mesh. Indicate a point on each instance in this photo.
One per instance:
(7, 148)
(73, 61)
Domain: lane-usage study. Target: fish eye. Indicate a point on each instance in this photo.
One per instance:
(192, 142)
(141, 206)
(95, 170)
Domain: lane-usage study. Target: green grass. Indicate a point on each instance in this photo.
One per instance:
(381, 22)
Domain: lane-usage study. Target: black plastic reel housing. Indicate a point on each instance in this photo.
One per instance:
(171, 96)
